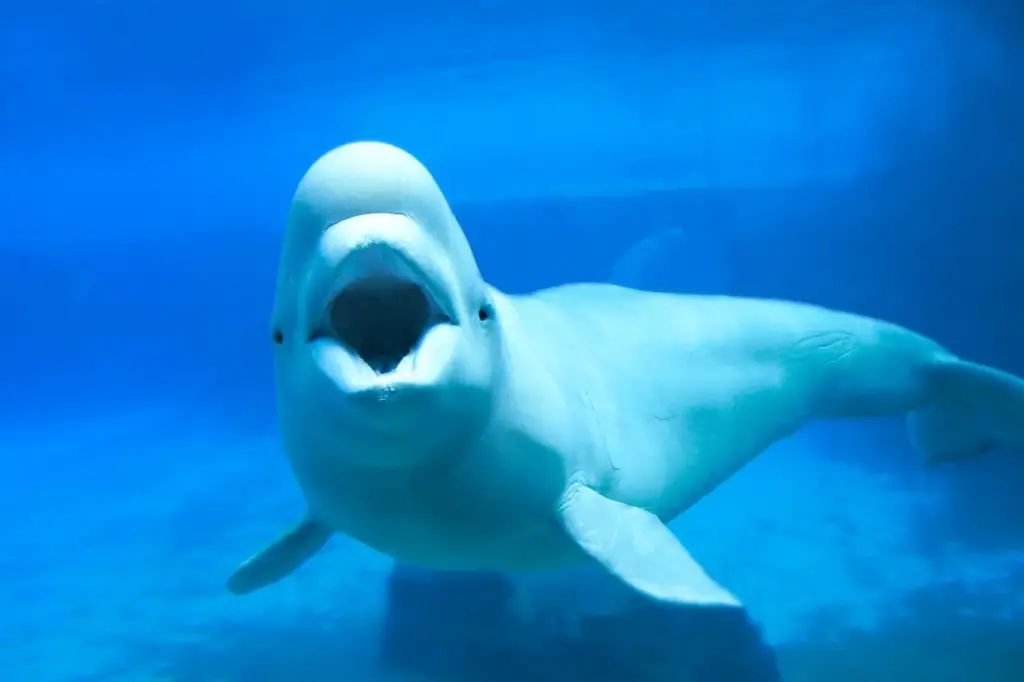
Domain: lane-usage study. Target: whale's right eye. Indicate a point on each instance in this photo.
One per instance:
(277, 336)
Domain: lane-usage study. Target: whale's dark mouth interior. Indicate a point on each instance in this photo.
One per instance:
(382, 319)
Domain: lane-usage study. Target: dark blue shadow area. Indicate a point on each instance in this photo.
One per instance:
(461, 626)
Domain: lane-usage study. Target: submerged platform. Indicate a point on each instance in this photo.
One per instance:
(469, 626)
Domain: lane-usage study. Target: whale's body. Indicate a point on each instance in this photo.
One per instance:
(566, 426)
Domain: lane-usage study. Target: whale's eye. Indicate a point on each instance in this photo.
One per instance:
(277, 336)
(485, 313)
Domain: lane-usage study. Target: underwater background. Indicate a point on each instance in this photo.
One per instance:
(867, 156)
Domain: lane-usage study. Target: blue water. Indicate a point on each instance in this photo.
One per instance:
(863, 156)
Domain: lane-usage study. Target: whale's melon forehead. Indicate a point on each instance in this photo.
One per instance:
(371, 179)
(364, 178)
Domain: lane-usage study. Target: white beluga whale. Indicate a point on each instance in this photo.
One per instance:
(432, 417)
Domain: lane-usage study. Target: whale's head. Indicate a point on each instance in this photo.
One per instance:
(384, 332)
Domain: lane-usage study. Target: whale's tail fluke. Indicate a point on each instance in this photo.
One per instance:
(975, 409)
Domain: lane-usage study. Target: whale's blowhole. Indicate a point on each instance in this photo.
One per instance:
(382, 318)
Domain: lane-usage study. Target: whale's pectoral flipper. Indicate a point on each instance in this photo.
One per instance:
(973, 408)
(634, 545)
(280, 558)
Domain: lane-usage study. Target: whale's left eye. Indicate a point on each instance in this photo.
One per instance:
(277, 336)
(485, 313)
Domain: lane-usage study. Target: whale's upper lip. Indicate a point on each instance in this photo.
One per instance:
(384, 261)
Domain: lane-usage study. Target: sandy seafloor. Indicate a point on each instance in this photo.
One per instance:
(120, 530)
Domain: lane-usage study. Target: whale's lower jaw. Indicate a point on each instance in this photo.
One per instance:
(422, 366)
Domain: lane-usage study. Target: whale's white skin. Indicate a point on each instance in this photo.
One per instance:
(444, 423)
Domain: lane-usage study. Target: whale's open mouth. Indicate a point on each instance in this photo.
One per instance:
(383, 307)
(382, 318)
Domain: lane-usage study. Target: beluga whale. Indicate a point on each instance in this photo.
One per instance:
(444, 423)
